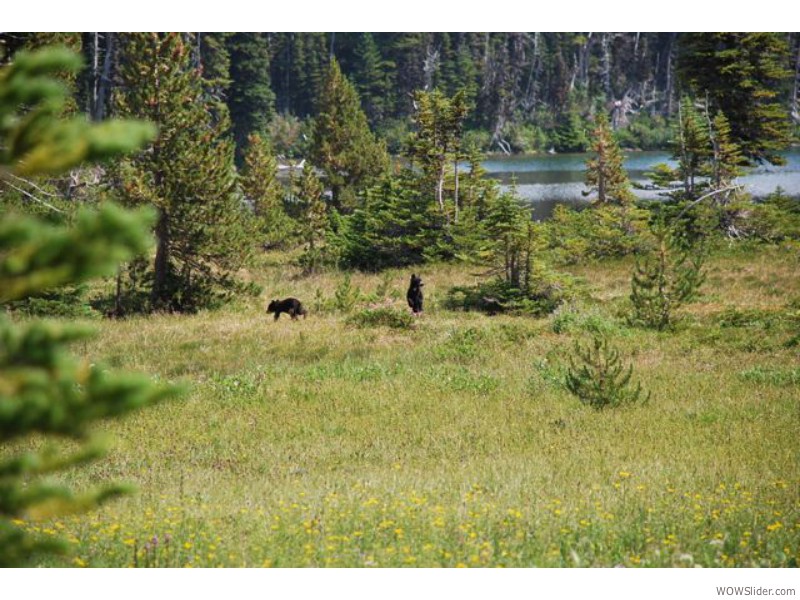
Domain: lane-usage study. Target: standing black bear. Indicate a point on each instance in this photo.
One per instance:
(414, 294)
(290, 306)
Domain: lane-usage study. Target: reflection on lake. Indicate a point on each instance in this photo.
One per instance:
(547, 181)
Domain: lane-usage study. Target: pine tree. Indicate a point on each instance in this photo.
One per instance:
(436, 142)
(215, 62)
(599, 379)
(667, 277)
(261, 187)
(727, 161)
(391, 229)
(570, 132)
(691, 149)
(605, 174)
(250, 97)
(370, 79)
(744, 76)
(344, 148)
(314, 219)
(44, 392)
(187, 174)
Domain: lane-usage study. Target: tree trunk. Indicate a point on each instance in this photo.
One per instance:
(99, 112)
(161, 265)
(440, 193)
(668, 91)
(455, 191)
(606, 64)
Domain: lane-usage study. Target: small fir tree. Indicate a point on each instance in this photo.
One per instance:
(598, 377)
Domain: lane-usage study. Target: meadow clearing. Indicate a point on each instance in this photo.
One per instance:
(454, 442)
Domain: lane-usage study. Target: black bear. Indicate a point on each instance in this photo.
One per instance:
(414, 294)
(290, 306)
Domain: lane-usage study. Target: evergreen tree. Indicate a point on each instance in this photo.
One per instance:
(370, 78)
(744, 76)
(215, 62)
(692, 151)
(250, 97)
(605, 174)
(261, 187)
(187, 174)
(570, 132)
(44, 392)
(391, 229)
(344, 148)
(667, 277)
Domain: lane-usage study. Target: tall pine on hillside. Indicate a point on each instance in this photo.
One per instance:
(187, 174)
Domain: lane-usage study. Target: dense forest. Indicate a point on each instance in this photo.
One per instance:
(528, 91)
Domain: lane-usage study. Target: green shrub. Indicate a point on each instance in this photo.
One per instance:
(598, 379)
(346, 295)
(548, 290)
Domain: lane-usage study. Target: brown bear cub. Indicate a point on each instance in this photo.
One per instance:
(290, 306)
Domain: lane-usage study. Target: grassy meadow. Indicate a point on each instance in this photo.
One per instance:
(454, 442)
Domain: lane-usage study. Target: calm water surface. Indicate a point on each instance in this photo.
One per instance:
(547, 181)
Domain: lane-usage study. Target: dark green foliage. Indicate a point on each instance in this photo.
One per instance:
(250, 97)
(393, 227)
(744, 75)
(547, 291)
(382, 316)
(187, 174)
(666, 278)
(343, 146)
(43, 390)
(598, 378)
(370, 76)
(570, 133)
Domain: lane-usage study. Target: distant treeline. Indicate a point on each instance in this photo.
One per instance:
(528, 91)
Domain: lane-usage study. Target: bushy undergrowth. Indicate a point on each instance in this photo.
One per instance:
(575, 236)
(548, 290)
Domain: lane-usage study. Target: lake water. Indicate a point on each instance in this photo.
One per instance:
(550, 180)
